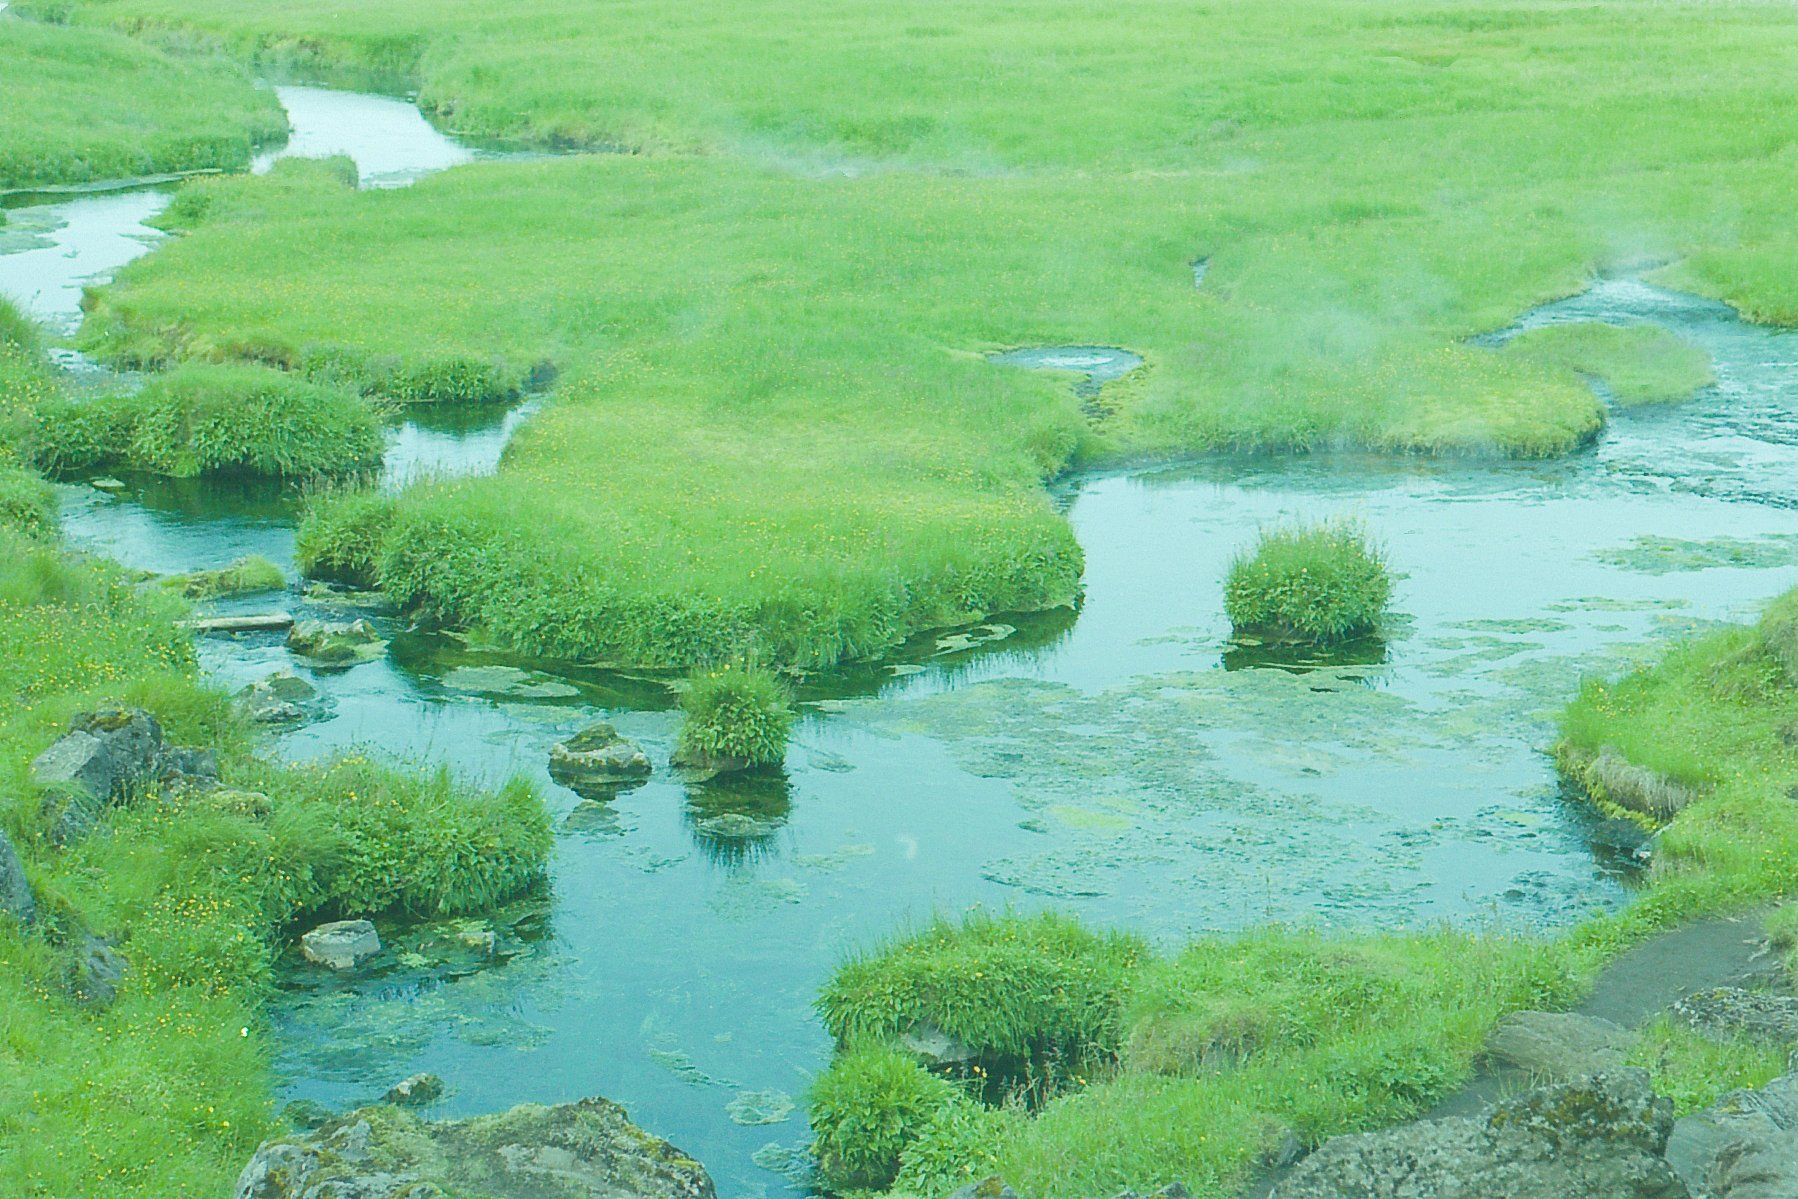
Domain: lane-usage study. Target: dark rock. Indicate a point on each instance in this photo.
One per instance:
(585, 1150)
(16, 899)
(1559, 1045)
(95, 971)
(1599, 1136)
(597, 760)
(1743, 1147)
(342, 944)
(334, 643)
(188, 768)
(992, 1187)
(1734, 1012)
(282, 698)
(415, 1091)
(105, 754)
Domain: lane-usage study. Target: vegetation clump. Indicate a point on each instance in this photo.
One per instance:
(1318, 583)
(866, 1109)
(242, 577)
(736, 714)
(212, 420)
(340, 536)
(1014, 990)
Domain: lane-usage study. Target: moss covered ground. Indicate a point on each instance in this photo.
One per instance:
(775, 431)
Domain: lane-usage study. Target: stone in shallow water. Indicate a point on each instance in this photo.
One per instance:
(342, 944)
(415, 1091)
(336, 643)
(508, 681)
(760, 1107)
(598, 760)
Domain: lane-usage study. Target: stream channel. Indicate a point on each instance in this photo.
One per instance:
(1128, 763)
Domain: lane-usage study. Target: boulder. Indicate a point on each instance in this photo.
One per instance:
(342, 944)
(16, 899)
(1725, 1012)
(335, 643)
(188, 768)
(281, 698)
(105, 754)
(1598, 1136)
(1558, 1045)
(415, 1091)
(1743, 1147)
(95, 971)
(585, 1150)
(597, 759)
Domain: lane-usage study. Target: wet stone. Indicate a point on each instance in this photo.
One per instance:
(341, 945)
(415, 1091)
(597, 760)
(281, 698)
(336, 643)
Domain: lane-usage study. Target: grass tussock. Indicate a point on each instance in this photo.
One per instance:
(1315, 583)
(211, 420)
(1695, 1070)
(736, 712)
(85, 104)
(866, 1109)
(1636, 364)
(242, 577)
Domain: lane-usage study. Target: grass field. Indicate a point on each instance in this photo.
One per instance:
(775, 433)
(85, 105)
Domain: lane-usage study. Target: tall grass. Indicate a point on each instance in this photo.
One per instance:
(736, 712)
(86, 104)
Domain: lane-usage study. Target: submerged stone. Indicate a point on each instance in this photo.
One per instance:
(752, 1108)
(342, 944)
(508, 681)
(585, 1150)
(336, 643)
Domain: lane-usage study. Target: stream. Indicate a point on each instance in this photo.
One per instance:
(1130, 763)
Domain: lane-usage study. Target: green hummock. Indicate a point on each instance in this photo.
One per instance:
(1318, 583)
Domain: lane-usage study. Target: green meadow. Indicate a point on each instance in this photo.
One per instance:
(85, 105)
(769, 318)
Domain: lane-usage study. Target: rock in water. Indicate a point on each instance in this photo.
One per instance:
(16, 899)
(585, 1150)
(280, 698)
(342, 944)
(415, 1091)
(331, 643)
(597, 759)
(1559, 1045)
(1602, 1136)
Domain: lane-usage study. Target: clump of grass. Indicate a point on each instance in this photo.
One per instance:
(963, 1142)
(866, 1109)
(735, 713)
(1638, 364)
(1014, 989)
(1317, 583)
(340, 536)
(211, 420)
(245, 575)
(1695, 1071)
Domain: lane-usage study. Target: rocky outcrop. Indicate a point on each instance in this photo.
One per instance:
(1744, 1147)
(1558, 1045)
(585, 1150)
(336, 643)
(1599, 1136)
(341, 945)
(282, 698)
(106, 757)
(95, 971)
(16, 899)
(1735, 1012)
(597, 760)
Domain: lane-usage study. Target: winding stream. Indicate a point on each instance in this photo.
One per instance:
(1131, 764)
